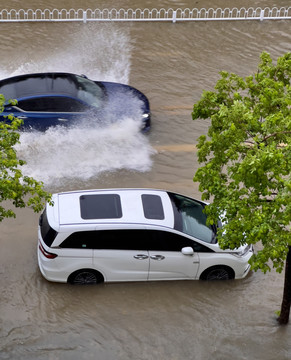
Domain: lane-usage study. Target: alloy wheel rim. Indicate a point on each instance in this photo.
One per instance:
(85, 278)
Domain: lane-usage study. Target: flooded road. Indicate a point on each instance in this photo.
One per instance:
(172, 64)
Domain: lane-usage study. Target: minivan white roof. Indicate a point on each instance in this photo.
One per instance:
(67, 209)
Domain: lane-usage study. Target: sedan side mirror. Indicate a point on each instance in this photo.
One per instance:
(187, 251)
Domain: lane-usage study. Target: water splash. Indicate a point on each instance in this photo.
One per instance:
(102, 52)
(61, 155)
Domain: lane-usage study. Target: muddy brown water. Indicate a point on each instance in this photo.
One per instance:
(172, 64)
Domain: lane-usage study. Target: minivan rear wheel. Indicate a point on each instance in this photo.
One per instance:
(85, 277)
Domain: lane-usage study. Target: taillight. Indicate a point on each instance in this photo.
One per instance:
(47, 254)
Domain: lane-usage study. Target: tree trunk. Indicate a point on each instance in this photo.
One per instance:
(286, 302)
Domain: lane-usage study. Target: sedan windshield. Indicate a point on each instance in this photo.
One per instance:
(190, 218)
(89, 92)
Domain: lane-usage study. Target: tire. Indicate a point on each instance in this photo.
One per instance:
(217, 273)
(85, 277)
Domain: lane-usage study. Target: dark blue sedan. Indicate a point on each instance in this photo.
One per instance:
(50, 99)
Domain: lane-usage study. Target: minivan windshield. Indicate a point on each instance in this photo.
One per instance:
(190, 218)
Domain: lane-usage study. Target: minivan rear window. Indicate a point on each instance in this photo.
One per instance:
(100, 206)
(48, 234)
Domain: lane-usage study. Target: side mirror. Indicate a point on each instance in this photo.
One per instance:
(187, 251)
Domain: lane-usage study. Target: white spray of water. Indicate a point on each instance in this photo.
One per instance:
(60, 154)
(86, 151)
(100, 52)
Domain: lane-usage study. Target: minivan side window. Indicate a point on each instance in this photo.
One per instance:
(135, 239)
(107, 239)
(80, 240)
(168, 241)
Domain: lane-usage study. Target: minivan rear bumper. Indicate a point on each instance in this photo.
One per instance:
(50, 273)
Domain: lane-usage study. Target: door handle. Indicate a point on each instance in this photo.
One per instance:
(141, 256)
(23, 117)
(62, 119)
(157, 257)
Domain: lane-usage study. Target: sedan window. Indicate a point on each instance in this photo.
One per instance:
(90, 92)
(52, 104)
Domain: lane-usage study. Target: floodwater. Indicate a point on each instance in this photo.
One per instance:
(172, 64)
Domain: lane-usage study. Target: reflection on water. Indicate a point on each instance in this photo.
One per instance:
(172, 64)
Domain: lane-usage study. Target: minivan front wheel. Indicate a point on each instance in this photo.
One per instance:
(217, 273)
(85, 277)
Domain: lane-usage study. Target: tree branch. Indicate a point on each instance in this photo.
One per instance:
(275, 134)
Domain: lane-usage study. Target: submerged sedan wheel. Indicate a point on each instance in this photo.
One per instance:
(85, 277)
(217, 273)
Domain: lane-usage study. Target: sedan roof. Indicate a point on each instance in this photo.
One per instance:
(21, 86)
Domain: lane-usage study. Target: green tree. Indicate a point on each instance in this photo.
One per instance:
(247, 163)
(16, 188)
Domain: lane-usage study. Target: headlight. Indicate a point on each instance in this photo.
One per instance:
(145, 116)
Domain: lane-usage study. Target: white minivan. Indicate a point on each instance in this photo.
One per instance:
(112, 235)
